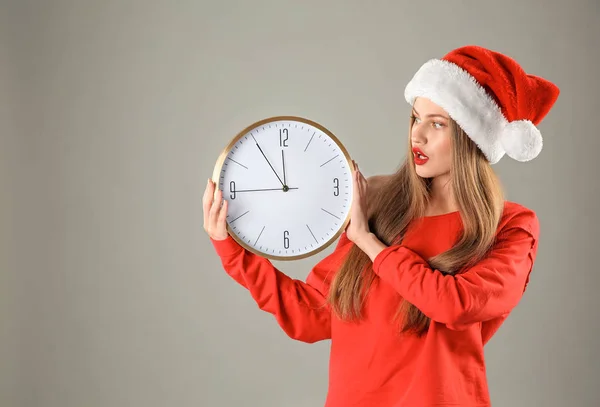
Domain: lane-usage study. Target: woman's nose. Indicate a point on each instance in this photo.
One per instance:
(418, 136)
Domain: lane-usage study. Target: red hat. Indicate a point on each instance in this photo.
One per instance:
(491, 98)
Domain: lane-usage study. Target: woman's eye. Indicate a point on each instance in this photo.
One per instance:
(438, 125)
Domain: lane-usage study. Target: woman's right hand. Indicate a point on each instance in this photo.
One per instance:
(214, 213)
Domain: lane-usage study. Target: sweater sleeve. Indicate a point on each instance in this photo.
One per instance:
(300, 307)
(488, 289)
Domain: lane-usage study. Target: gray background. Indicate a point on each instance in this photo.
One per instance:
(112, 116)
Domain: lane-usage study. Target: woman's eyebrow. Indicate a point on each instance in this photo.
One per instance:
(432, 115)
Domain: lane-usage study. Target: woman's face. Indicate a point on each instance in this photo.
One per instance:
(431, 138)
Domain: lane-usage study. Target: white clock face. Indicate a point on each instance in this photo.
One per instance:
(288, 183)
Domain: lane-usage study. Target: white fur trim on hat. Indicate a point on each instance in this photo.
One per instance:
(475, 111)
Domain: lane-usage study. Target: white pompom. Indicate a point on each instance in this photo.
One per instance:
(521, 140)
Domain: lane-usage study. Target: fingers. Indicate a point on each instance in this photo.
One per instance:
(207, 200)
(221, 220)
(214, 210)
(362, 180)
(359, 178)
(357, 220)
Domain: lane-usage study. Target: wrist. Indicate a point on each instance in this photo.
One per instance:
(366, 237)
(370, 244)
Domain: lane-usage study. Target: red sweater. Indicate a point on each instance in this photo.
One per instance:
(371, 364)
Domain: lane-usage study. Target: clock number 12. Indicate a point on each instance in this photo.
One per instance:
(282, 141)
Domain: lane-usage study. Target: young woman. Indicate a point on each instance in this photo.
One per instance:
(433, 259)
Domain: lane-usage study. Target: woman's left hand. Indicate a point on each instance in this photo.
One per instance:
(358, 228)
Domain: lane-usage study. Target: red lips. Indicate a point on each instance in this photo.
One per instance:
(419, 156)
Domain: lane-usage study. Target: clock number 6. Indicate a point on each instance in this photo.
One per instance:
(336, 187)
(282, 141)
(286, 240)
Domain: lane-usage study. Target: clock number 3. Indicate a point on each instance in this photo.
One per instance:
(282, 141)
(336, 187)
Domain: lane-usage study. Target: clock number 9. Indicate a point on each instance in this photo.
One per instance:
(232, 189)
(286, 240)
(282, 142)
(336, 187)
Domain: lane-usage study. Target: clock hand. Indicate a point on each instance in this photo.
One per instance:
(283, 161)
(256, 190)
(268, 161)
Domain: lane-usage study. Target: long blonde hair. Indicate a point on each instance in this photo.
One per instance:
(402, 198)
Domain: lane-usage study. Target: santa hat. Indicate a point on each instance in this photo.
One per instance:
(491, 98)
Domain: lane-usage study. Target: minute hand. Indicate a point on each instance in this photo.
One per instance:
(282, 184)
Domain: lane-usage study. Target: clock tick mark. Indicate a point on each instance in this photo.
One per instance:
(330, 213)
(311, 232)
(259, 236)
(240, 217)
(229, 158)
(309, 141)
(329, 161)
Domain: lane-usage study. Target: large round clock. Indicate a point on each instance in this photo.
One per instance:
(288, 183)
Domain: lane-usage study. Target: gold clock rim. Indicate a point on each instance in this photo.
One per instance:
(223, 155)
